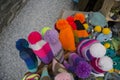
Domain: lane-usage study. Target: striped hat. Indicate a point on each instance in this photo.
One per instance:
(27, 55)
(30, 76)
(101, 65)
(90, 49)
(52, 37)
(40, 47)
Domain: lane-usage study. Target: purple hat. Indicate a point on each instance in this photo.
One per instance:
(52, 37)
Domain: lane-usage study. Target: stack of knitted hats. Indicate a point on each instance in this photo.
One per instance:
(76, 48)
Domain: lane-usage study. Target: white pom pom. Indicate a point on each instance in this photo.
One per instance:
(106, 63)
(97, 50)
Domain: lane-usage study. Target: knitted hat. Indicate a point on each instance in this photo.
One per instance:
(81, 32)
(78, 66)
(116, 61)
(100, 65)
(31, 77)
(96, 18)
(27, 55)
(66, 35)
(90, 49)
(40, 47)
(80, 17)
(44, 29)
(64, 76)
(102, 37)
(45, 75)
(52, 37)
(57, 67)
(70, 20)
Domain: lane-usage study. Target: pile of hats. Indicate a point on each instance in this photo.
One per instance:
(82, 46)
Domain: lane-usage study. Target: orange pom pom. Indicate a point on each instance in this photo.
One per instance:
(61, 24)
(80, 17)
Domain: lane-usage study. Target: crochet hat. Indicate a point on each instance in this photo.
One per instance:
(101, 65)
(66, 35)
(102, 37)
(96, 18)
(64, 76)
(78, 66)
(52, 37)
(90, 49)
(31, 77)
(80, 17)
(57, 67)
(45, 75)
(40, 47)
(27, 55)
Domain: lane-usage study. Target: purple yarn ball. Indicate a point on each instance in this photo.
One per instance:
(83, 69)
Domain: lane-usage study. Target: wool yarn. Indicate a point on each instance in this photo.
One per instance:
(40, 47)
(32, 76)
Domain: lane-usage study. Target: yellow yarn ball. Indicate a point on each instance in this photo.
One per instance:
(106, 31)
(107, 45)
(97, 28)
(86, 26)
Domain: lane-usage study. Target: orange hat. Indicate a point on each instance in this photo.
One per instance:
(66, 35)
(80, 17)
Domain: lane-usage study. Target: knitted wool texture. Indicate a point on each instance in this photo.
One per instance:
(31, 77)
(40, 47)
(101, 65)
(90, 49)
(66, 35)
(78, 66)
(80, 17)
(64, 76)
(27, 55)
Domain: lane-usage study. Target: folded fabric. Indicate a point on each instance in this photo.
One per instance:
(31, 77)
(101, 65)
(90, 49)
(66, 35)
(52, 37)
(40, 47)
(64, 76)
(45, 74)
(27, 55)
(78, 66)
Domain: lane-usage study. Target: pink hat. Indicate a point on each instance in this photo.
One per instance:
(40, 47)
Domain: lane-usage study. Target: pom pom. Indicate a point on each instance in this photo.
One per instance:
(97, 50)
(44, 29)
(106, 63)
(61, 24)
(107, 45)
(80, 17)
(70, 20)
(106, 31)
(21, 44)
(83, 69)
(86, 26)
(34, 37)
(97, 28)
(64, 76)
